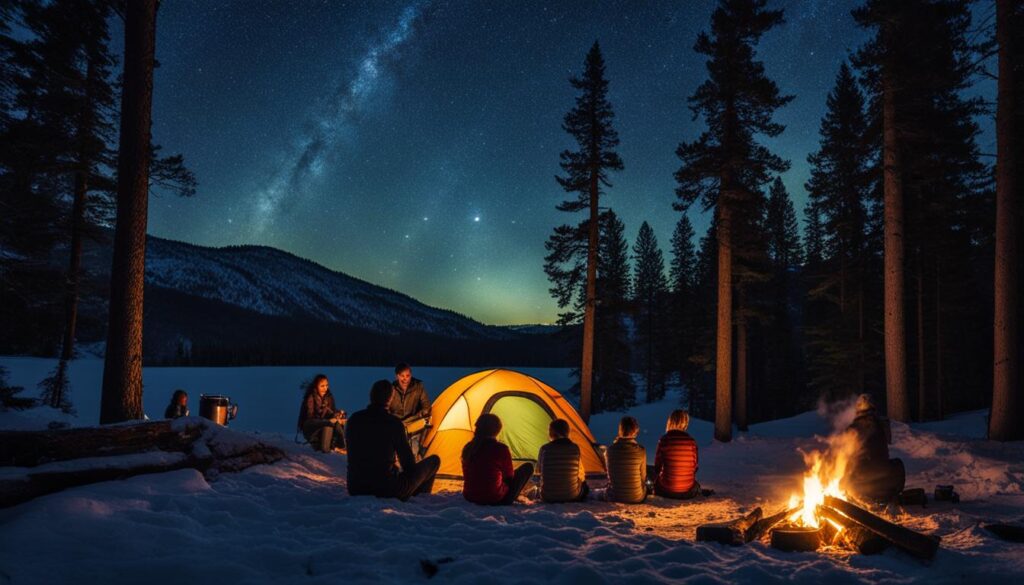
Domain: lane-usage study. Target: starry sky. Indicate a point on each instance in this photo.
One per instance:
(414, 144)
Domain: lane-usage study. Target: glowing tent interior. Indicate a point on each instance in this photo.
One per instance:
(525, 405)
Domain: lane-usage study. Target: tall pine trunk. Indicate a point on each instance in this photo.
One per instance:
(1005, 423)
(122, 370)
(723, 357)
(938, 340)
(742, 378)
(587, 368)
(895, 323)
(921, 377)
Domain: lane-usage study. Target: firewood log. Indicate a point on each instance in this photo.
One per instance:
(764, 524)
(732, 533)
(854, 535)
(31, 448)
(923, 546)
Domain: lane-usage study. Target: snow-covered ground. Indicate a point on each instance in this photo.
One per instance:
(293, 521)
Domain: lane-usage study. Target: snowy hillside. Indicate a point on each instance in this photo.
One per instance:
(293, 522)
(273, 282)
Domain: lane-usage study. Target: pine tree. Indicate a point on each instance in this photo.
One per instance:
(725, 168)
(843, 178)
(919, 68)
(613, 383)
(650, 289)
(702, 356)
(683, 310)
(572, 251)
(122, 371)
(1007, 393)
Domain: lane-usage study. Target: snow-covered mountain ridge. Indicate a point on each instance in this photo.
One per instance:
(276, 283)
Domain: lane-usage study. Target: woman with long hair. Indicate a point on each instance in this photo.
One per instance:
(675, 462)
(320, 422)
(487, 466)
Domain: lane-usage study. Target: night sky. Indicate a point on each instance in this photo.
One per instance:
(414, 145)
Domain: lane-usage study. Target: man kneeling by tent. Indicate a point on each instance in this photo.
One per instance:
(375, 437)
(873, 475)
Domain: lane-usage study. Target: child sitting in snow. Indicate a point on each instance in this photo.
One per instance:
(562, 476)
(675, 462)
(487, 466)
(626, 461)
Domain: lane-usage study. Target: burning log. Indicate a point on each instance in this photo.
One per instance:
(733, 533)
(791, 538)
(856, 536)
(923, 546)
(764, 524)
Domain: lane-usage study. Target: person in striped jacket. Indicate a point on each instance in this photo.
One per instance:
(675, 462)
(562, 476)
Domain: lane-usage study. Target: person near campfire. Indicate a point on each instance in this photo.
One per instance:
(873, 475)
(487, 466)
(321, 423)
(562, 476)
(626, 461)
(376, 439)
(411, 405)
(675, 461)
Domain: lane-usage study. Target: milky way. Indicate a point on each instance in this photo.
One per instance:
(415, 145)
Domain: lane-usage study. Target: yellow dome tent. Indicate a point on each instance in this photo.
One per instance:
(525, 405)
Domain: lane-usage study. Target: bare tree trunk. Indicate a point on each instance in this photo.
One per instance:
(860, 335)
(895, 324)
(742, 384)
(938, 339)
(723, 358)
(921, 378)
(122, 370)
(1007, 403)
(587, 368)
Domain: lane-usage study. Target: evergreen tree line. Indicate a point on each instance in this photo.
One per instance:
(890, 292)
(60, 110)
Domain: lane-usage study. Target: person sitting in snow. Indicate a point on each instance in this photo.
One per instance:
(626, 461)
(320, 422)
(562, 476)
(873, 475)
(675, 461)
(487, 466)
(375, 439)
(178, 406)
(410, 404)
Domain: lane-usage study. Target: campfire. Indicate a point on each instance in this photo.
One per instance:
(824, 515)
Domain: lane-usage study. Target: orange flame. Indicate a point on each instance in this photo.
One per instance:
(827, 471)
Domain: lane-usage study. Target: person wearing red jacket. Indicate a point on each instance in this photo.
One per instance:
(487, 472)
(675, 462)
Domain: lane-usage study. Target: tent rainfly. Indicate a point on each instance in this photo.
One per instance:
(526, 407)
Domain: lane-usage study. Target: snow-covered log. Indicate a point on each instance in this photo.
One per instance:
(733, 532)
(57, 460)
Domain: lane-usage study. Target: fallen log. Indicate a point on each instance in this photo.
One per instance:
(923, 546)
(32, 448)
(1008, 532)
(764, 524)
(853, 534)
(201, 446)
(732, 533)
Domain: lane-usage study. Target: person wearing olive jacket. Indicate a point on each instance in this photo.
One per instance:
(410, 396)
(562, 476)
(626, 461)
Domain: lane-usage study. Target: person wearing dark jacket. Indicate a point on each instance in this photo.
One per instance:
(487, 466)
(873, 475)
(375, 439)
(626, 461)
(675, 461)
(320, 422)
(178, 406)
